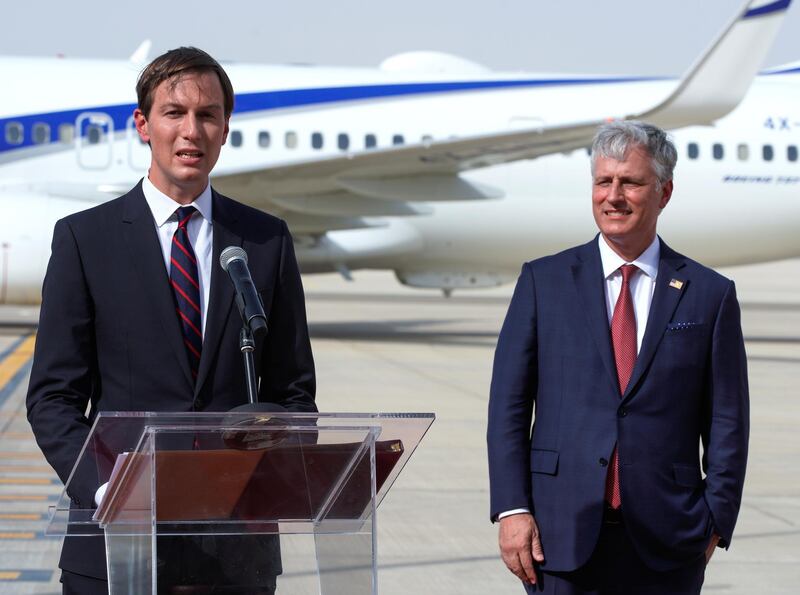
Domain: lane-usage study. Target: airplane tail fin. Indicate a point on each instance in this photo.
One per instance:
(719, 79)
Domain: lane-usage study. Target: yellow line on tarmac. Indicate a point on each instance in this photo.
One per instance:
(21, 455)
(32, 481)
(9, 576)
(16, 359)
(25, 469)
(18, 535)
(17, 435)
(20, 517)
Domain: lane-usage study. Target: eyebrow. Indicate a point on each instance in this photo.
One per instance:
(171, 105)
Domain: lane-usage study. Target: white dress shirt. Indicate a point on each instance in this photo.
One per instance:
(201, 233)
(642, 284)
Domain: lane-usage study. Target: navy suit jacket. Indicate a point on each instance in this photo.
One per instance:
(109, 337)
(554, 362)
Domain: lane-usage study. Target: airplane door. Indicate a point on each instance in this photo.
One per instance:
(138, 151)
(95, 137)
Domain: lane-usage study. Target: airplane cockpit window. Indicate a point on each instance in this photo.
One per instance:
(743, 152)
(236, 138)
(768, 152)
(66, 133)
(316, 140)
(693, 150)
(14, 133)
(94, 134)
(370, 142)
(791, 153)
(398, 139)
(263, 139)
(291, 140)
(717, 151)
(343, 141)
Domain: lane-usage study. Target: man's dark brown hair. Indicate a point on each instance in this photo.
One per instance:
(178, 62)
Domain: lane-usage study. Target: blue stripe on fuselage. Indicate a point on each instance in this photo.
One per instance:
(292, 98)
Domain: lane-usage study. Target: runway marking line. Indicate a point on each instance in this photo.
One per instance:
(30, 481)
(21, 455)
(26, 469)
(18, 535)
(9, 576)
(26, 576)
(17, 358)
(21, 517)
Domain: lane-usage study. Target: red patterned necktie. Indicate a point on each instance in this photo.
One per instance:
(186, 287)
(623, 338)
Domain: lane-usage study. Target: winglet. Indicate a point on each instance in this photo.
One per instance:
(139, 57)
(720, 78)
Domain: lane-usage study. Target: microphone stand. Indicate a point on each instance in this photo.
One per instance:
(247, 346)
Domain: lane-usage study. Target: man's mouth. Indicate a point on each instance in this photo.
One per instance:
(617, 212)
(190, 154)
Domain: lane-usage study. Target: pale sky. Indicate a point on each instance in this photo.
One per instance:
(591, 36)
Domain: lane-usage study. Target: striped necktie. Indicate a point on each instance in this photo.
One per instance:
(186, 287)
(623, 338)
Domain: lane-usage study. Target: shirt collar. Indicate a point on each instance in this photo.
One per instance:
(647, 261)
(163, 207)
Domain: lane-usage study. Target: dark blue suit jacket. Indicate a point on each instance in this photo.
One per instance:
(109, 337)
(554, 362)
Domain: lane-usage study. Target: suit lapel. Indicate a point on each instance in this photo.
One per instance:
(221, 292)
(588, 276)
(666, 296)
(140, 235)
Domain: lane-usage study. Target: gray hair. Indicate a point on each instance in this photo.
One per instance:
(614, 139)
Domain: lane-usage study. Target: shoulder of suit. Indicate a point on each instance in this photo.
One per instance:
(97, 214)
(563, 259)
(250, 215)
(692, 269)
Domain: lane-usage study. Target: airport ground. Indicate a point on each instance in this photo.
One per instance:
(382, 347)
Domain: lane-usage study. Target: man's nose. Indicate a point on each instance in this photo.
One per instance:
(190, 126)
(615, 192)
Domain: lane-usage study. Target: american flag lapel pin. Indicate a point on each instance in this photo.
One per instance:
(676, 284)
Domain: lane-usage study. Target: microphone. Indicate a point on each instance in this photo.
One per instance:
(233, 260)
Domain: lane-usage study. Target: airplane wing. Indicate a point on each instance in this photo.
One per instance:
(337, 192)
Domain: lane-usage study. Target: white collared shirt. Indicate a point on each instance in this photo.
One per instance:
(200, 233)
(643, 282)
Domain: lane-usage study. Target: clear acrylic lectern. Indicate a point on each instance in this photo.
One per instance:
(216, 499)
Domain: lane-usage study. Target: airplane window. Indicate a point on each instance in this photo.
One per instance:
(398, 139)
(66, 133)
(791, 153)
(263, 139)
(94, 134)
(718, 151)
(370, 141)
(743, 152)
(343, 141)
(316, 140)
(694, 150)
(41, 133)
(14, 133)
(291, 140)
(236, 138)
(768, 152)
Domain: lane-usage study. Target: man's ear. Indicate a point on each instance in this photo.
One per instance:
(141, 125)
(666, 194)
(227, 129)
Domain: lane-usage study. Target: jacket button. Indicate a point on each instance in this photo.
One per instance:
(603, 462)
(622, 412)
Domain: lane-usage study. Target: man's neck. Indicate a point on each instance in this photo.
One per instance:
(627, 252)
(182, 196)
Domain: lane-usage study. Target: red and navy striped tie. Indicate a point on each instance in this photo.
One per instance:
(186, 287)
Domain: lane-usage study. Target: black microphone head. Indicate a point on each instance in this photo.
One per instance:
(230, 254)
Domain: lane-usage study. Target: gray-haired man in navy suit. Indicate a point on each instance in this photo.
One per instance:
(627, 356)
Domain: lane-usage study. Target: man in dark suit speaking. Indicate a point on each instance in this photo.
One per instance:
(137, 315)
(628, 356)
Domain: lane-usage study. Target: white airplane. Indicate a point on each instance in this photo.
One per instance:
(431, 166)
